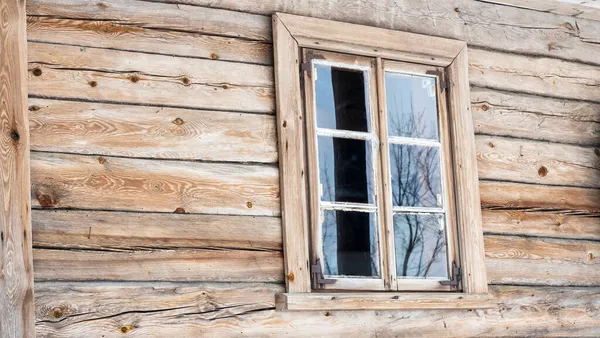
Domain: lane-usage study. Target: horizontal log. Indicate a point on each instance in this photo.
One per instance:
(109, 183)
(544, 224)
(477, 22)
(151, 132)
(508, 159)
(508, 195)
(534, 75)
(533, 117)
(204, 71)
(159, 16)
(144, 89)
(134, 37)
(101, 230)
(226, 309)
(162, 265)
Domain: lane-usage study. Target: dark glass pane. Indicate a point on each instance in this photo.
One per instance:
(411, 106)
(341, 98)
(345, 170)
(416, 180)
(420, 245)
(350, 244)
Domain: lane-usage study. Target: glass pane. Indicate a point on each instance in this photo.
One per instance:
(350, 244)
(341, 98)
(416, 178)
(420, 246)
(411, 106)
(345, 170)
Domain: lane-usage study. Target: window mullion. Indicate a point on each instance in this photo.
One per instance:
(386, 207)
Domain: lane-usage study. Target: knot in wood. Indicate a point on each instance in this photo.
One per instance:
(93, 84)
(34, 108)
(101, 160)
(291, 277)
(249, 204)
(543, 171)
(125, 328)
(214, 56)
(134, 78)
(37, 72)
(180, 210)
(45, 201)
(15, 135)
(178, 121)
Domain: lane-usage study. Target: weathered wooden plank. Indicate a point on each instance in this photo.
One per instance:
(159, 16)
(534, 75)
(203, 71)
(129, 36)
(103, 230)
(464, 170)
(134, 88)
(508, 159)
(476, 22)
(226, 309)
(513, 260)
(162, 265)
(109, 183)
(534, 117)
(545, 224)
(577, 9)
(382, 301)
(502, 195)
(16, 276)
(139, 131)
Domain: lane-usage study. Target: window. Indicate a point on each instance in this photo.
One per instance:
(378, 172)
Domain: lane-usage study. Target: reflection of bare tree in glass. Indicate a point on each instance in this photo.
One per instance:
(415, 182)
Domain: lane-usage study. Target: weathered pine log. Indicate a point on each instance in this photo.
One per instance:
(531, 197)
(202, 88)
(110, 183)
(479, 23)
(544, 224)
(509, 159)
(509, 260)
(133, 37)
(534, 75)
(210, 72)
(534, 117)
(225, 310)
(16, 275)
(528, 261)
(159, 16)
(160, 265)
(578, 9)
(151, 132)
(101, 230)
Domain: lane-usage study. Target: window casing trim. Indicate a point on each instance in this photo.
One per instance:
(291, 34)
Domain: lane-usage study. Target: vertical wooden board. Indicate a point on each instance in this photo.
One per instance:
(468, 210)
(16, 275)
(294, 206)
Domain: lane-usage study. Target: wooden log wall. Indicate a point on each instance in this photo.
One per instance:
(155, 179)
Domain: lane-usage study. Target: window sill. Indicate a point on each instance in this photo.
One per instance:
(382, 301)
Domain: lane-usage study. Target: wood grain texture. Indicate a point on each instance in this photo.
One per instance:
(161, 265)
(134, 37)
(544, 224)
(478, 23)
(402, 46)
(509, 159)
(226, 309)
(528, 261)
(159, 16)
(381, 301)
(534, 117)
(101, 230)
(151, 132)
(110, 183)
(291, 135)
(534, 75)
(578, 9)
(16, 275)
(145, 78)
(467, 195)
(532, 197)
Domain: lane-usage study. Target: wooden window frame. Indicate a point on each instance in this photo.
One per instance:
(292, 34)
